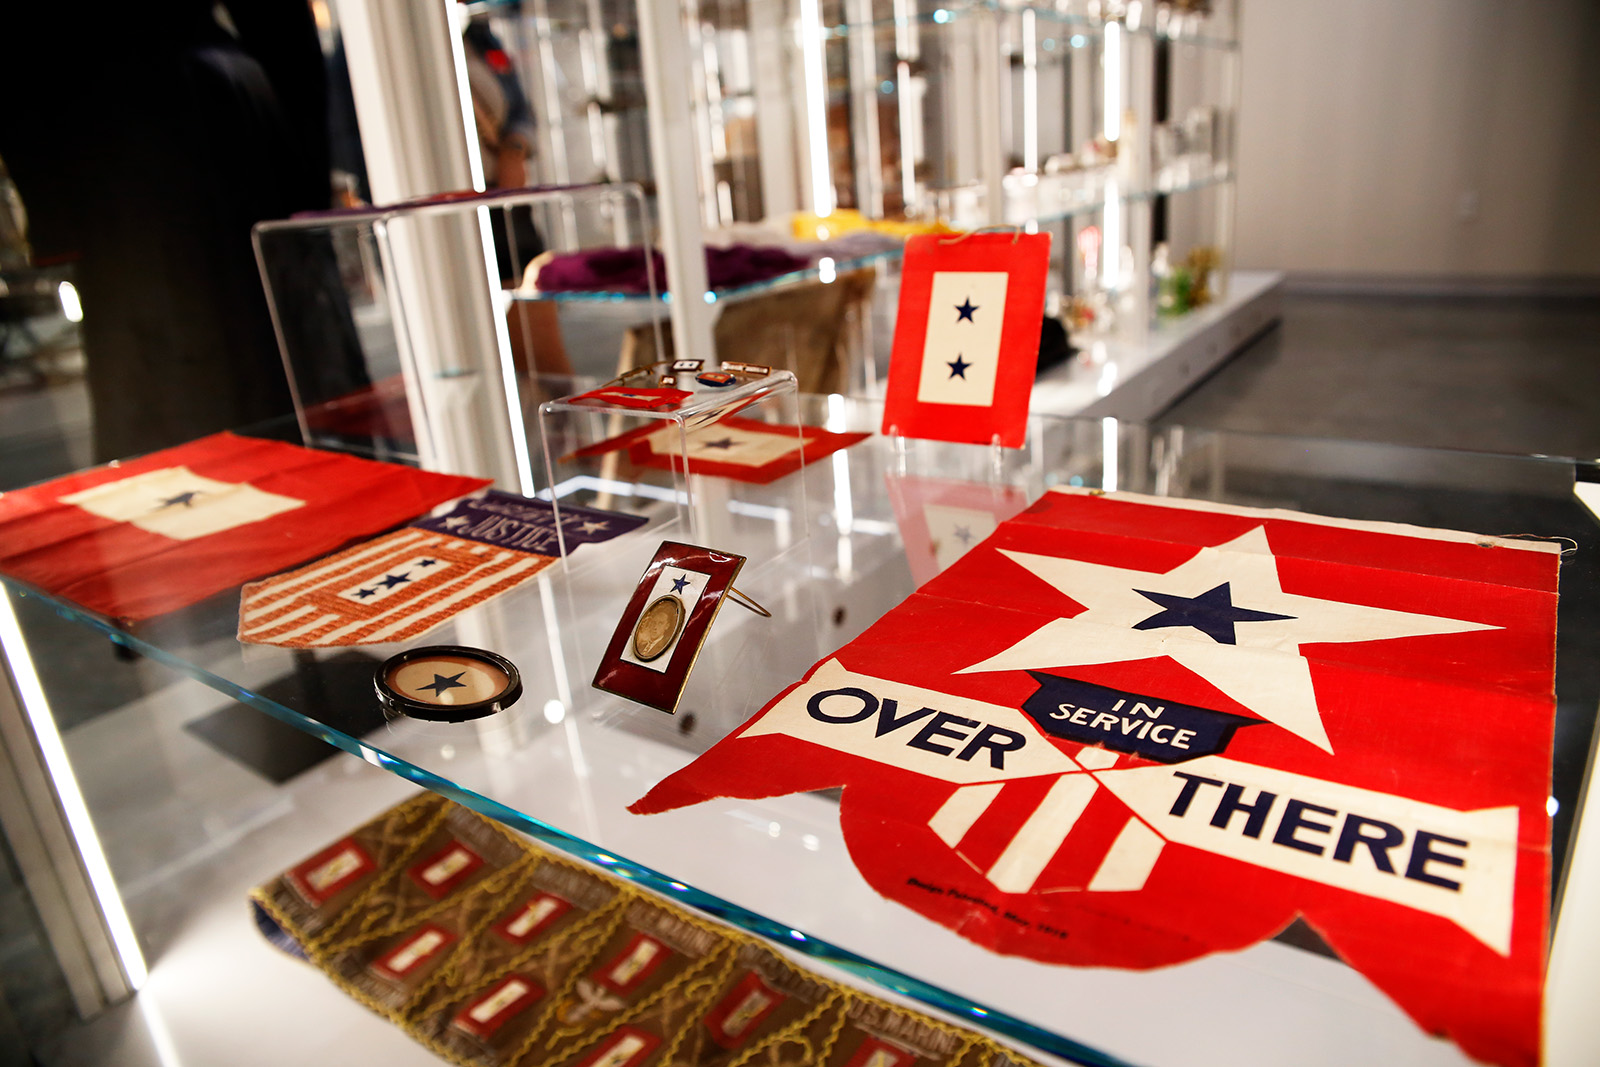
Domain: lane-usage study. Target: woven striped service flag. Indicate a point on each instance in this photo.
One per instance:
(393, 588)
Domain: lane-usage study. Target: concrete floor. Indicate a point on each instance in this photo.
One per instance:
(1498, 375)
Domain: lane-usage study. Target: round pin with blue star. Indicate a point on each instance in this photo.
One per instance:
(447, 683)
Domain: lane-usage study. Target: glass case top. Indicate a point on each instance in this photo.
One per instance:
(886, 517)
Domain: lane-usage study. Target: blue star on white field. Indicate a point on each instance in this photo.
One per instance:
(1213, 613)
(962, 354)
(1263, 668)
(679, 584)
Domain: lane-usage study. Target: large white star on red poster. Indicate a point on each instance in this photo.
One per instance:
(1222, 614)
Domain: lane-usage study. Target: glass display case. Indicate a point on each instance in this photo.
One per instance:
(564, 763)
(1109, 125)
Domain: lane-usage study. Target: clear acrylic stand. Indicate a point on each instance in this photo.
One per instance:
(405, 330)
(709, 462)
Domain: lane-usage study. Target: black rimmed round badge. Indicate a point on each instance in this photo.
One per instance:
(447, 683)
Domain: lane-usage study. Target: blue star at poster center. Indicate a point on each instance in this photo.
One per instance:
(392, 580)
(726, 442)
(441, 683)
(186, 499)
(1212, 613)
(958, 368)
(963, 535)
(678, 584)
(965, 309)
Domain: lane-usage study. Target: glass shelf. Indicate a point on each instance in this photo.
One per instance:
(818, 272)
(563, 764)
(1076, 24)
(1087, 196)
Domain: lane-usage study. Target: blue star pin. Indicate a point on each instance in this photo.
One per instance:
(726, 442)
(678, 584)
(1212, 613)
(186, 499)
(958, 368)
(965, 309)
(441, 683)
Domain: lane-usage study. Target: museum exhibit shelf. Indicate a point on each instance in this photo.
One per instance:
(1109, 125)
(563, 764)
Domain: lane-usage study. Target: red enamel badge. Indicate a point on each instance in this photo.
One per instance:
(660, 632)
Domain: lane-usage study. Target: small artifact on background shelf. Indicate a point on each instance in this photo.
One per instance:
(627, 270)
(1184, 286)
(447, 683)
(659, 635)
(1079, 313)
(841, 221)
(1202, 261)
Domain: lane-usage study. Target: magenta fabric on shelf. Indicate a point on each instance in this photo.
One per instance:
(623, 269)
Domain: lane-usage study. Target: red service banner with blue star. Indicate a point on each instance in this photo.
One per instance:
(1127, 732)
(150, 535)
(966, 337)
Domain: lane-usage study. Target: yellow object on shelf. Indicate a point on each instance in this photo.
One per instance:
(809, 227)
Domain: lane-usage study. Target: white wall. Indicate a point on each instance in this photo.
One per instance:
(1421, 139)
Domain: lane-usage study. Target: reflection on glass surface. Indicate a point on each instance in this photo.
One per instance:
(563, 763)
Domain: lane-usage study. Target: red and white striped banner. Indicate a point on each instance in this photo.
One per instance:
(393, 588)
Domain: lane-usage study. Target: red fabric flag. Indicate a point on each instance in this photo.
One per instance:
(150, 535)
(966, 337)
(743, 450)
(1127, 732)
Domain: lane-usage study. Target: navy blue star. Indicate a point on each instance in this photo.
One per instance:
(426, 562)
(392, 580)
(1212, 613)
(965, 310)
(726, 442)
(362, 594)
(958, 368)
(441, 683)
(678, 584)
(964, 535)
(186, 499)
